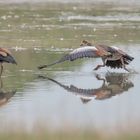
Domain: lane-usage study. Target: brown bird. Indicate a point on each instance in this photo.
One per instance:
(111, 56)
(5, 56)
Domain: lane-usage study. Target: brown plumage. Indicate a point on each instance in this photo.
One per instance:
(112, 85)
(111, 56)
(5, 57)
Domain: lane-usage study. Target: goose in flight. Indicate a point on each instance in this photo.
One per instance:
(111, 56)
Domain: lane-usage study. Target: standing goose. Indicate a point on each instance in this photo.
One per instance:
(111, 56)
(5, 56)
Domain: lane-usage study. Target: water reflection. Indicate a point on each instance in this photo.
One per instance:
(5, 95)
(113, 84)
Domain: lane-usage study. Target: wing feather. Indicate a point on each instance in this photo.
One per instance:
(82, 52)
(88, 51)
(118, 50)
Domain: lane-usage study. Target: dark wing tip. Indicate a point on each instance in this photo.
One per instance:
(114, 63)
(14, 62)
(10, 59)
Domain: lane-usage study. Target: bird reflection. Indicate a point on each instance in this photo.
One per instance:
(5, 96)
(113, 84)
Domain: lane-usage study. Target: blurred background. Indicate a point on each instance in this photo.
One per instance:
(68, 100)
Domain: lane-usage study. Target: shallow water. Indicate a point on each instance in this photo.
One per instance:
(69, 95)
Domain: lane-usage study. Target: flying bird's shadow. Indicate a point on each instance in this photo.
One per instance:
(5, 95)
(112, 85)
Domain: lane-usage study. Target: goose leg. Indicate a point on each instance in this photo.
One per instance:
(102, 79)
(1, 69)
(1, 83)
(99, 66)
(123, 65)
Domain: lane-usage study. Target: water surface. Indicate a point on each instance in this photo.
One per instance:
(68, 96)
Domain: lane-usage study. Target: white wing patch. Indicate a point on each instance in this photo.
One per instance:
(86, 48)
(116, 48)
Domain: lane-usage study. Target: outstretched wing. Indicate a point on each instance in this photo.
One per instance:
(87, 51)
(82, 52)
